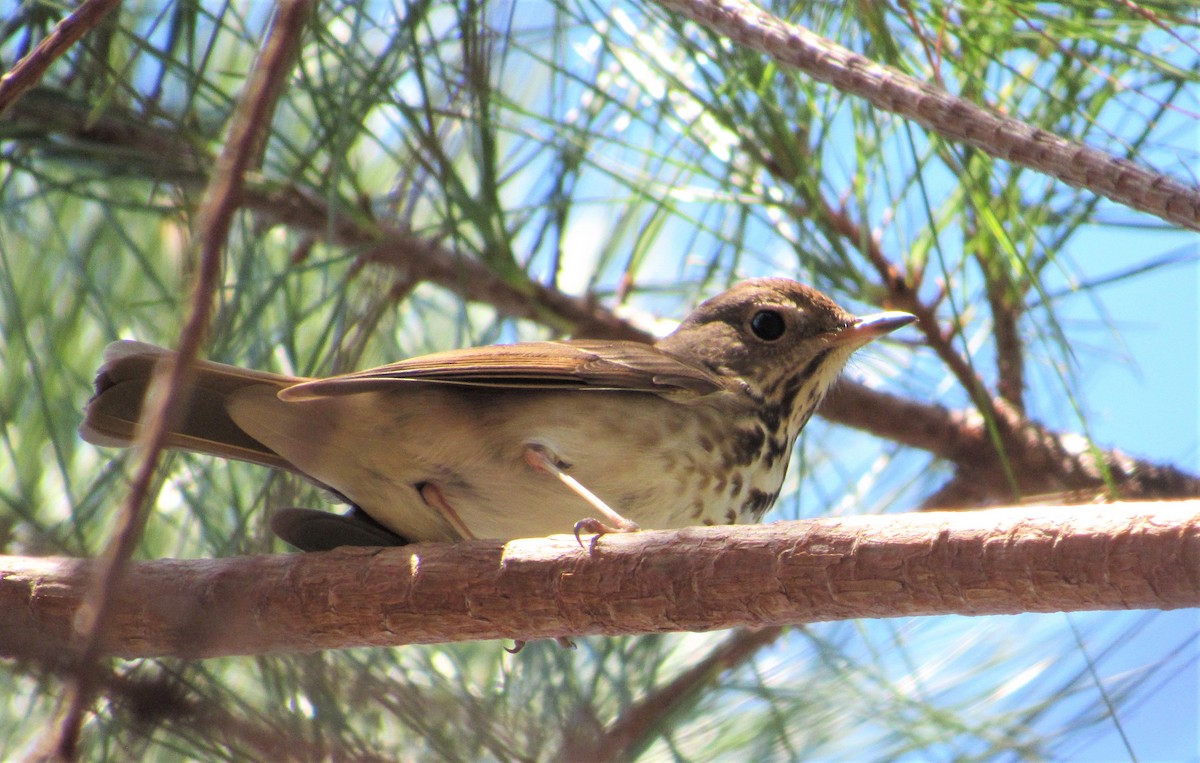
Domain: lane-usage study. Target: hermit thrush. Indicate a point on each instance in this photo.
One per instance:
(527, 439)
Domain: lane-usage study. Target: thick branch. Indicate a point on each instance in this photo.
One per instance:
(1004, 561)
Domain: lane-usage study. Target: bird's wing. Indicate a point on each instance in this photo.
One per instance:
(574, 364)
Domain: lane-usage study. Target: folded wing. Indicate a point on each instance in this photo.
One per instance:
(575, 364)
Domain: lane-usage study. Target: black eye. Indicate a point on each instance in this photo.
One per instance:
(767, 325)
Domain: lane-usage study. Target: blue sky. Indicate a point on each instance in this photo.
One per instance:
(1149, 406)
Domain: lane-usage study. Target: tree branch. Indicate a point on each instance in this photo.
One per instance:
(29, 70)
(648, 718)
(1002, 561)
(248, 128)
(1040, 460)
(951, 117)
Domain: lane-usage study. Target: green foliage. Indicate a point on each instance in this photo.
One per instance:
(609, 150)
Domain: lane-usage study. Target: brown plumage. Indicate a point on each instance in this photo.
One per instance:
(696, 429)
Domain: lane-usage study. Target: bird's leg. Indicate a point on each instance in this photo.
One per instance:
(539, 458)
(431, 494)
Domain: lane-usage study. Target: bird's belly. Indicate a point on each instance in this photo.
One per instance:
(658, 462)
(654, 461)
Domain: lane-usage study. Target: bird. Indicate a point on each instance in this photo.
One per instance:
(527, 439)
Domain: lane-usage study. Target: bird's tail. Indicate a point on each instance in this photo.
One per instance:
(112, 416)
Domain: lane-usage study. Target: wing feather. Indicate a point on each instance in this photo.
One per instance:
(572, 364)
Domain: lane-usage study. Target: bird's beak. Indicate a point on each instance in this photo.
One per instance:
(871, 327)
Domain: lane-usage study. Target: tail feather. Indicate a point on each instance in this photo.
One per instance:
(112, 415)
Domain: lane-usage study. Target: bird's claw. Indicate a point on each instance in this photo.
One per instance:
(519, 644)
(597, 528)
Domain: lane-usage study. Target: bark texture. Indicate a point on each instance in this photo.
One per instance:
(1000, 561)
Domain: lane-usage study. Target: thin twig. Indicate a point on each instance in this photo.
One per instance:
(650, 716)
(1005, 303)
(248, 124)
(29, 70)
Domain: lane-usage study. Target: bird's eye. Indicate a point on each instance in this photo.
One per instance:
(767, 325)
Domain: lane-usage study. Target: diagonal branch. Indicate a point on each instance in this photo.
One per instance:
(902, 295)
(248, 126)
(648, 718)
(1000, 561)
(951, 117)
(27, 72)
